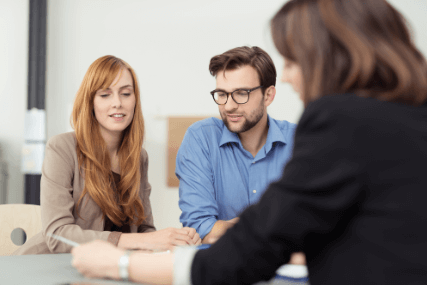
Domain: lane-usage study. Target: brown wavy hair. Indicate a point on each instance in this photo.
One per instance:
(252, 56)
(356, 46)
(122, 204)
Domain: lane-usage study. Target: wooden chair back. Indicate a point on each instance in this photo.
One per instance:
(12, 216)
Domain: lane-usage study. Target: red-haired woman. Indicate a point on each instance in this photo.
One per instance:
(94, 180)
(353, 196)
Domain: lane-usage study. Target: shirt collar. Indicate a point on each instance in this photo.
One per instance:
(274, 135)
(228, 136)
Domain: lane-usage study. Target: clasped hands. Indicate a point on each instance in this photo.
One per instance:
(161, 240)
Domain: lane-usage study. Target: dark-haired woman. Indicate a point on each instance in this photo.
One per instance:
(94, 181)
(353, 195)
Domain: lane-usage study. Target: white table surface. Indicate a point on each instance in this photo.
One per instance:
(56, 269)
(46, 269)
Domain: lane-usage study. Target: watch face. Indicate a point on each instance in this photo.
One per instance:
(124, 265)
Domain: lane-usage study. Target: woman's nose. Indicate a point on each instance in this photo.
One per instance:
(284, 78)
(117, 102)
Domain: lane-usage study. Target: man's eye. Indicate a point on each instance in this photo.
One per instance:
(241, 93)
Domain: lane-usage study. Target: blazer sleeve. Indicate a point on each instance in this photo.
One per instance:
(56, 197)
(148, 224)
(314, 197)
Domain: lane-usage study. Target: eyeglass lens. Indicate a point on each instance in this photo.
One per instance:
(239, 96)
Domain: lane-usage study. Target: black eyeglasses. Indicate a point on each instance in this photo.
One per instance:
(240, 96)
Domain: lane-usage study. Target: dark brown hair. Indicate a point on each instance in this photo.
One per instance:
(241, 56)
(351, 46)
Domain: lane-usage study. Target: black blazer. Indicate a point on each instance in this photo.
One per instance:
(353, 198)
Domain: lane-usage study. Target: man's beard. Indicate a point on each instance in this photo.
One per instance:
(250, 121)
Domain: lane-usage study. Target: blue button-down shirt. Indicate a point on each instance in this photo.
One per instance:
(219, 178)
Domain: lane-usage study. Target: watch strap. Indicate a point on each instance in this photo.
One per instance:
(124, 265)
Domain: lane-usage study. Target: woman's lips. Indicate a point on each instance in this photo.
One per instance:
(118, 119)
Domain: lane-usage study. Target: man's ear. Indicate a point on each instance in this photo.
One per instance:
(269, 95)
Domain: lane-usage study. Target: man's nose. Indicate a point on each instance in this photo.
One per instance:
(231, 104)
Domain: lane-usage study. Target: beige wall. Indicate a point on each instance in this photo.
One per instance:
(169, 44)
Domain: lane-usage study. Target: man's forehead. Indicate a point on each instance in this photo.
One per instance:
(238, 77)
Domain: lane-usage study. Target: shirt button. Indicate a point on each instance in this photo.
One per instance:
(254, 191)
(253, 162)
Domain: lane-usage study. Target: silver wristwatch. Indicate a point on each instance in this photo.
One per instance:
(124, 266)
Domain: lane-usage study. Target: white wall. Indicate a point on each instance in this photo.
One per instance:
(169, 43)
(13, 90)
(415, 12)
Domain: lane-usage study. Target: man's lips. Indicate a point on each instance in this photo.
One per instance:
(234, 118)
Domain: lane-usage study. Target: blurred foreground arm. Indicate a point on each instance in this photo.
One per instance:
(100, 259)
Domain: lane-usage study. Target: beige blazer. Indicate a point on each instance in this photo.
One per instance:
(61, 186)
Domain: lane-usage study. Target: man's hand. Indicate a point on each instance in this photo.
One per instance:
(219, 229)
(234, 221)
(97, 259)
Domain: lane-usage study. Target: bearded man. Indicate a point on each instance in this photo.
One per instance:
(226, 165)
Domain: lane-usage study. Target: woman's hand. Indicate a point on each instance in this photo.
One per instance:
(171, 237)
(97, 259)
(161, 240)
(193, 235)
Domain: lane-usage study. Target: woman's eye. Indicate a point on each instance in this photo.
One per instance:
(126, 94)
(104, 95)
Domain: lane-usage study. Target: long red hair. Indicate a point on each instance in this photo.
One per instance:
(123, 203)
